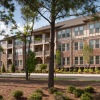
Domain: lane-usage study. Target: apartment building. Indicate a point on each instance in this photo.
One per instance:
(70, 36)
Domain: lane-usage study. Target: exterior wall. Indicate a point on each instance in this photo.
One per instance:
(42, 52)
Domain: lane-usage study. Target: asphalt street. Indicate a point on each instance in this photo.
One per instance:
(86, 77)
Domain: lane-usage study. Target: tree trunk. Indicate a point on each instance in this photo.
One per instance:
(26, 68)
(51, 63)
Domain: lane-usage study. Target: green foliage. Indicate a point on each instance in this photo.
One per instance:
(59, 96)
(87, 53)
(97, 70)
(13, 68)
(79, 70)
(43, 67)
(18, 94)
(86, 70)
(39, 91)
(3, 68)
(38, 39)
(1, 97)
(89, 89)
(31, 61)
(1, 49)
(35, 96)
(78, 92)
(86, 96)
(52, 90)
(91, 70)
(58, 57)
(71, 89)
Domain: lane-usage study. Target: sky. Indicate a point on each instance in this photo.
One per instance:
(17, 17)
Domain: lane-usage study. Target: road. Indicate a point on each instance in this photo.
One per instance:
(86, 77)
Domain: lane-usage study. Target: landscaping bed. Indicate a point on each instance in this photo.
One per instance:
(9, 85)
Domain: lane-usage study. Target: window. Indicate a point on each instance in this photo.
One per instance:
(18, 42)
(76, 60)
(68, 60)
(59, 47)
(81, 45)
(97, 43)
(81, 30)
(97, 59)
(20, 62)
(81, 60)
(63, 47)
(76, 46)
(91, 28)
(91, 60)
(97, 26)
(63, 62)
(18, 52)
(68, 33)
(76, 31)
(63, 33)
(59, 34)
(91, 43)
(67, 46)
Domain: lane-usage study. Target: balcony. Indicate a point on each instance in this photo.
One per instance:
(9, 65)
(9, 46)
(9, 55)
(37, 41)
(47, 52)
(47, 39)
(40, 53)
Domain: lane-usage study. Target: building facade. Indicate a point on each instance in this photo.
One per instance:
(70, 37)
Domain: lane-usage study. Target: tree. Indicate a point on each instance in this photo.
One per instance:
(58, 57)
(87, 53)
(31, 62)
(3, 68)
(29, 17)
(56, 9)
(13, 68)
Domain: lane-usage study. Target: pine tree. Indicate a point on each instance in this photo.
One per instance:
(13, 68)
(3, 68)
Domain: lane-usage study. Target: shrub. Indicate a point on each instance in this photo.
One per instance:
(3, 68)
(78, 92)
(52, 90)
(1, 97)
(86, 96)
(43, 67)
(59, 96)
(39, 91)
(79, 70)
(97, 70)
(86, 70)
(70, 89)
(89, 89)
(90, 70)
(35, 96)
(18, 94)
(13, 68)
(75, 70)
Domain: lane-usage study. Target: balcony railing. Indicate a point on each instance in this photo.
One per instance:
(9, 55)
(47, 52)
(39, 53)
(9, 65)
(47, 39)
(9, 45)
(37, 41)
